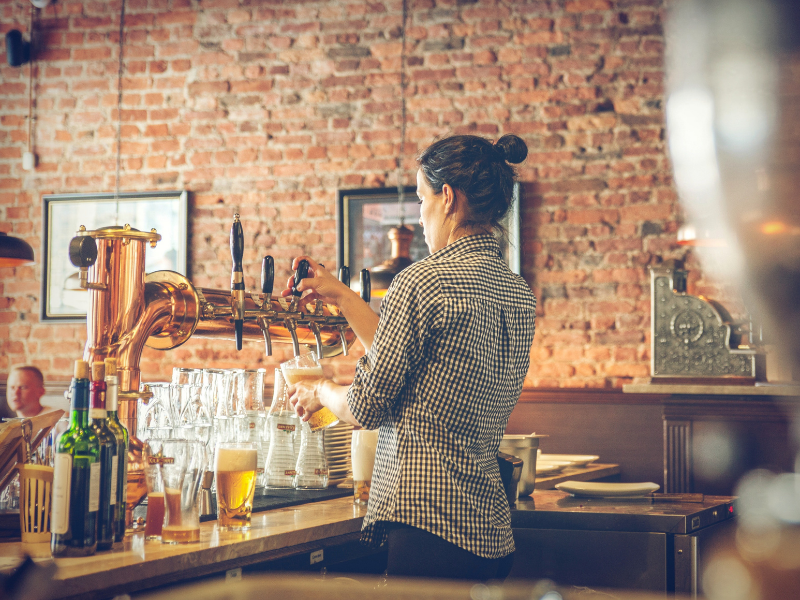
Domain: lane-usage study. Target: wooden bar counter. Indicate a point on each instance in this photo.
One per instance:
(144, 565)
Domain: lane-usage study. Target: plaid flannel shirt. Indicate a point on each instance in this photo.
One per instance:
(444, 372)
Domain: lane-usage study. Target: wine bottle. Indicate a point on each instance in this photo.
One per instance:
(76, 482)
(122, 446)
(108, 459)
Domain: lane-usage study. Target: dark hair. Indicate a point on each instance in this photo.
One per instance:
(479, 169)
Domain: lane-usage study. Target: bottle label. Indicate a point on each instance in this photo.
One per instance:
(290, 472)
(97, 413)
(62, 478)
(285, 427)
(94, 486)
(114, 476)
(320, 471)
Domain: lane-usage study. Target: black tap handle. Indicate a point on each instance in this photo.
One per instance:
(301, 273)
(267, 274)
(237, 252)
(344, 275)
(366, 286)
(237, 280)
(82, 251)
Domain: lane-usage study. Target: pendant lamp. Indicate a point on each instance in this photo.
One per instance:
(14, 252)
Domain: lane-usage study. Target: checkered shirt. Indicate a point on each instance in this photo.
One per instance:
(444, 372)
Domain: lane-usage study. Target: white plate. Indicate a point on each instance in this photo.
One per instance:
(554, 463)
(596, 489)
(546, 469)
(577, 460)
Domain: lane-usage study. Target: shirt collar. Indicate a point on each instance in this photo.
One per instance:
(482, 243)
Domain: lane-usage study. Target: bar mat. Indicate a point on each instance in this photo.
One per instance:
(269, 499)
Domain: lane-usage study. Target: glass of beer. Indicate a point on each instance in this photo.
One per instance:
(235, 474)
(362, 455)
(181, 467)
(154, 519)
(306, 367)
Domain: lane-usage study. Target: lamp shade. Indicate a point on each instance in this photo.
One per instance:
(14, 252)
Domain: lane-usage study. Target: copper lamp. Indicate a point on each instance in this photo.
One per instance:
(383, 274)
(14, 252)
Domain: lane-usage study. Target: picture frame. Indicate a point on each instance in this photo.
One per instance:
(63, 214)
(365, 216)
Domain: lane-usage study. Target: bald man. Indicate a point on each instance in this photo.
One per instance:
(25, 390)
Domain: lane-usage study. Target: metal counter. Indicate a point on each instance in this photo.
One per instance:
(618, 543)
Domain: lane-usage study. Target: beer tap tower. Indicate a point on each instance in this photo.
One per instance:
(130, 309)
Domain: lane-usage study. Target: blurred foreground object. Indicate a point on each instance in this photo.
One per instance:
(733, 122)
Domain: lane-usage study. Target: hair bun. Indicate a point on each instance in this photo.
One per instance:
(511, 148)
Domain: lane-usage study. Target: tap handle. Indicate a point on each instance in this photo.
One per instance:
(366, 286)
(301, 273)
(237, 252)
(82, 251)
(344, 275)
(237, 280)
(267, 274)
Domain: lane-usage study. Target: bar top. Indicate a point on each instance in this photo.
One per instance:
(139, 563)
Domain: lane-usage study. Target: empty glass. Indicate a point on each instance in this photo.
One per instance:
(248, 402)
(283, 424)
(216, 395)
(312, 467)
(155, 418)
(181, 467)
(185, 376)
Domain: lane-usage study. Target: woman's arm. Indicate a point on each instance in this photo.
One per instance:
(323, 285)
(308, 397)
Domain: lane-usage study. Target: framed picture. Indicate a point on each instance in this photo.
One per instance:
(62, 297)
(365, 216)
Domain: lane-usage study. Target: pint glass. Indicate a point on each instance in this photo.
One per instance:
(306, 367)
(235, 473)
(362, 455)
(181, 466)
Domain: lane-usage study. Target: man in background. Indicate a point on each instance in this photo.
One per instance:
(25, 388)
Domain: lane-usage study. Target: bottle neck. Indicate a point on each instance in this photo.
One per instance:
(112, 383)
(79, 410)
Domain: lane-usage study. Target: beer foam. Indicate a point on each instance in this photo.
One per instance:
(295, 374)
(236, 459)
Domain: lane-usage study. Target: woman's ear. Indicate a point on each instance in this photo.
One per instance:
(449, 199)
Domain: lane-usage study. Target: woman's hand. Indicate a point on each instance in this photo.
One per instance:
(304, 398)
(320, 281)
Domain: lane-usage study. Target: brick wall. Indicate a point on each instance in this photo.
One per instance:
(266, 108)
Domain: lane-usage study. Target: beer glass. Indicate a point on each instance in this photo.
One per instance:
(154, 519)
(282, 423)
(235, 475)
(362, 455)
(306, 367)
(181, 467)
(185, 376)
(249, 415)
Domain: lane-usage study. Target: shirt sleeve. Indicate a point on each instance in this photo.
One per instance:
(407, 316)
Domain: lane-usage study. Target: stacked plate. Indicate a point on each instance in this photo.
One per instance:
(337, 452)
(550, 464)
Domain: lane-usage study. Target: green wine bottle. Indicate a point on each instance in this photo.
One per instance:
(76, 482)
(108, 459)
(122, 446)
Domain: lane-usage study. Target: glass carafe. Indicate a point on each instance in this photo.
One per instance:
(312, 468)
(283, 428)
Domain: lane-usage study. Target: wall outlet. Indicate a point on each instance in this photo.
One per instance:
(28, 161)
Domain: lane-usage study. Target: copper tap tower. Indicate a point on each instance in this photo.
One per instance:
(130, 309)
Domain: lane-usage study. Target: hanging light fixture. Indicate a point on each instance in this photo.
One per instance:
(690, 234)
(400, 237)
(14, 252)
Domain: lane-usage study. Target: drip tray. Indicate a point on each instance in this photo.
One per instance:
(269, 499)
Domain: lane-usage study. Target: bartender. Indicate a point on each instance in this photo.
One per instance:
(444, 368)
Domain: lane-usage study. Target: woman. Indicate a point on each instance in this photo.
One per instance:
(444, 368)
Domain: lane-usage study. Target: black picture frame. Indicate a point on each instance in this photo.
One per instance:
(364, 217)
(63, 214)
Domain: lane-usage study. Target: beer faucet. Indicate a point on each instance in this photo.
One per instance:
(237, 280)
(83, 254)
(265, 301)
(291, 324)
